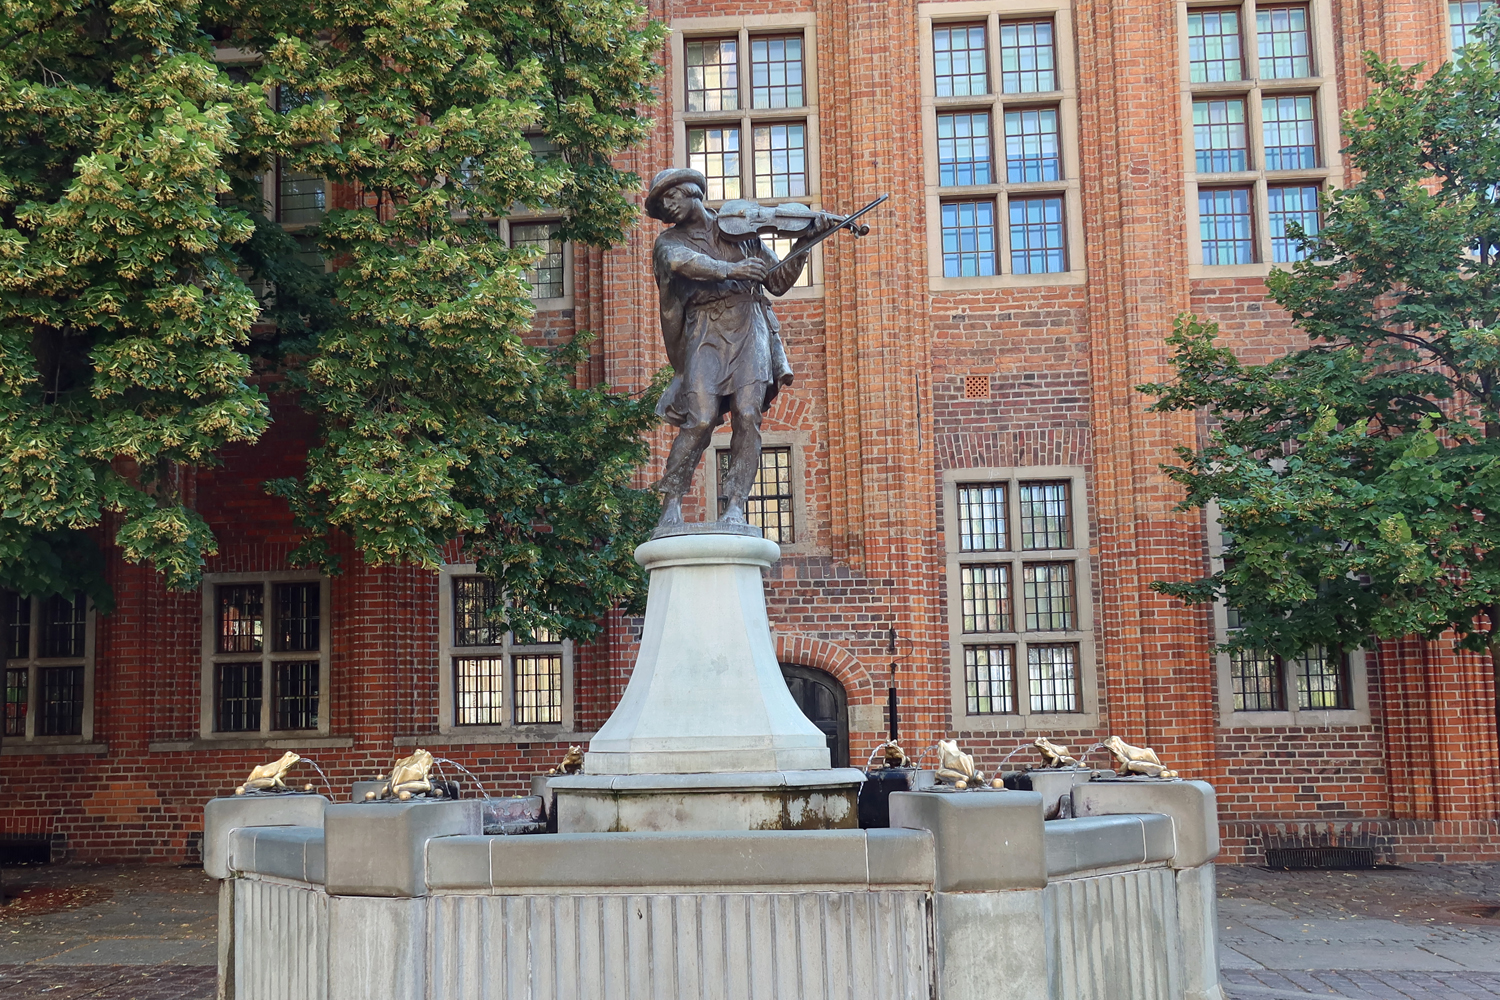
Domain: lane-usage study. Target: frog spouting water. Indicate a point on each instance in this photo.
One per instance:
(1054, 754)
(408, 778)
(1137, 760)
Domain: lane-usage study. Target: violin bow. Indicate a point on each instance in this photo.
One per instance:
(844, 224)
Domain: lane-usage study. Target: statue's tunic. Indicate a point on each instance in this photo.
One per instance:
(720, 334)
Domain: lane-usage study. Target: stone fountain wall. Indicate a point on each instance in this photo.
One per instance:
(969, 895)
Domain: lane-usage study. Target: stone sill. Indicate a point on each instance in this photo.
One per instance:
(269, 743)
(494, 736)
(37, 749)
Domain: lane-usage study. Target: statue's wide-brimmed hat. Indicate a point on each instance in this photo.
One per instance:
(666, 181)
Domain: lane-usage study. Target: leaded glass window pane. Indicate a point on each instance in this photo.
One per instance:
(59, 701)
(781, 161)
(474, 598)
(1255, 676)
(1292, 205)
(1220, 137)
(1046, 516)
(1047, 593)
(776, 72)
(713, 74)
(1214, 54)
(64, 625)
(241, 618)
(1028, 64)
(17, 696)
(715, 152)
(1291, 134)
(1462, 18)
(982, 518)
(989, 680)
(1052, 674)
(985, 595)
(1322, 681)
(1283, 45)
(963, 142)
(237, 696)
(770, 504)
(968, 239)
(298, 616)
(960, 60)
(1036, 236)
(479, 691)
(1032, 146)
(17, 626)
(1224, 226)
(545, 275)
(296, 694)
(301, 197)
(538, 688)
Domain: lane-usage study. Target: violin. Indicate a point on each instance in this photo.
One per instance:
(739, 218)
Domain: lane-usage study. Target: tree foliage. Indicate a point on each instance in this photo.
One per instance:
(133, 225)
(1358, 479)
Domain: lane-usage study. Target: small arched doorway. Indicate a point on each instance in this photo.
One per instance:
(823, 700)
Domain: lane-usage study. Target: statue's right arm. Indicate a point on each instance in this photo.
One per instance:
(692, 264)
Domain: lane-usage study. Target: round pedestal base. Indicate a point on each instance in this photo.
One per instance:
(823, 799)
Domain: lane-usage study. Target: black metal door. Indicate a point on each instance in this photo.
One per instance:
(822, 699)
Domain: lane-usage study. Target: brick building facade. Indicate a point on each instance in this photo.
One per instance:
(968, 483)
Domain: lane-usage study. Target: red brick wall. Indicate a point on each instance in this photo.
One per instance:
(880, 362)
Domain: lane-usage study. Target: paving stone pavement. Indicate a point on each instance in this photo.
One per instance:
(108, 932)
(1415, 933)
(147, 933)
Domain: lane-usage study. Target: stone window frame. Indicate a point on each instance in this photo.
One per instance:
(32, 664)
(508, 732)
(1080, 555)
(746, 117)
(524, 216)
(267, 656)
(1358, 714)
(799, 443)
(1065, 99)
(1322, 86)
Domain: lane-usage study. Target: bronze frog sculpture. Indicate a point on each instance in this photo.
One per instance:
(1054, 754)
(1137, 760)
(956, 767)
(572, 762)
(270, 777)
(408, 778)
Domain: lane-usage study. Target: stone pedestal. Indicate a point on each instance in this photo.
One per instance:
(707, 736)
(707, 692)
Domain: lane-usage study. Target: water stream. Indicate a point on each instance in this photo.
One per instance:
(327, 787)
(472, 777)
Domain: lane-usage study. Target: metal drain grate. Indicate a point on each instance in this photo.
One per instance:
(1331, 858)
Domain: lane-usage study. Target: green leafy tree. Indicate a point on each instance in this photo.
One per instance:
(132, 229)
(1358, 479)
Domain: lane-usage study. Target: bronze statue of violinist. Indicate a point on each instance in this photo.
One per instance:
(722, 339)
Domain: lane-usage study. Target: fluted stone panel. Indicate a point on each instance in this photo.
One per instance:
(682, 946)
(1113, 936)
(283, 931)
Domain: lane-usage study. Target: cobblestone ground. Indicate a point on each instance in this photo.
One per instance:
(1417, 933)
(1424, 931)
(108, 932)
